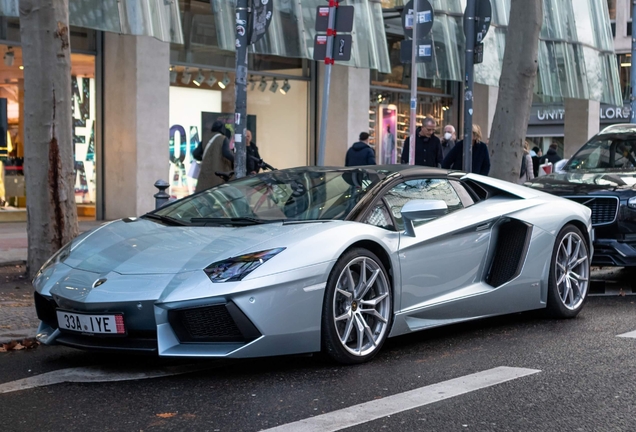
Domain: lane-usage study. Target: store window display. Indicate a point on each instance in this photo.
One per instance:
(13, 190)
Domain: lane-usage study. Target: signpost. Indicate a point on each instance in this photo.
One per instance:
(633, 72)
(252, 20)
(331, 47)
(417, 20)
(477, 17)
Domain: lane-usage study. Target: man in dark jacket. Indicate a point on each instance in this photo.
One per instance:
(360, 153)
(535, 159)
(551, 155)
(481, 158)
(253, 166)
(428, 148)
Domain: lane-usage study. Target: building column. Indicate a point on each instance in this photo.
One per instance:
(582, 122)
(348, 110)
(484, 106)
(136, 111)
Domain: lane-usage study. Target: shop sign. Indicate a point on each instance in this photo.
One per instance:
(556, 115)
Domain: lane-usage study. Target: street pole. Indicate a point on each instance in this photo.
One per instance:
(413, 117)
(240, 89)
(469, 21)
(633, 68)
(333, 4)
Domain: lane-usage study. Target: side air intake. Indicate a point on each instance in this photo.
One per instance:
(510, 252)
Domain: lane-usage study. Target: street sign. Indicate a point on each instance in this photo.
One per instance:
(258, 20)
(425, 18)
(344, 19)
(424, 53)
(483, 17)
(341, 47)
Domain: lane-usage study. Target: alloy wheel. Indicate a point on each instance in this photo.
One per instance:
(361, 306)
(572, 270)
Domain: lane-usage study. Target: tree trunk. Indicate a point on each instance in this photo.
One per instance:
(48, 138)
(516, 85)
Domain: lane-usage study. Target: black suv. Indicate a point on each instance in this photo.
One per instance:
(602, 176)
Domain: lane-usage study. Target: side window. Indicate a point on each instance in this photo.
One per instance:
(430, 189)
(380, 217)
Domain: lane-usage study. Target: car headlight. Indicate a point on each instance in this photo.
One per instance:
(235, 269)
(631, 203)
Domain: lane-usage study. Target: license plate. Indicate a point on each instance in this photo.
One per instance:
(93, 324)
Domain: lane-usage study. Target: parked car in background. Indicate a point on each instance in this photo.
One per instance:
(602, 176)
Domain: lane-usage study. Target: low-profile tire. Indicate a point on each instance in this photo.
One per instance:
(569, 280)
(357, 309)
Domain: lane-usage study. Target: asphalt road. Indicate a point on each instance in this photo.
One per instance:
(586, 382)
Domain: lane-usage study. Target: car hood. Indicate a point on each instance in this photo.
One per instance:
(581, 182)
(141, 246)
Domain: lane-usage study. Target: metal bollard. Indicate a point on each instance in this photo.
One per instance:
(161, 197)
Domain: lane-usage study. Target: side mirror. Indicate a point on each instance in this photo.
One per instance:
(421, 209)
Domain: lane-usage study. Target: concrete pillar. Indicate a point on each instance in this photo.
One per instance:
(348, 110)
(484, 105)
(136, 102)
(582, 122)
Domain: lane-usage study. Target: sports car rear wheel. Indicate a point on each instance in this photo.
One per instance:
(569, 274)
(357, 309)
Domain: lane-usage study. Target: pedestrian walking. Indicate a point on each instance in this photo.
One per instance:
(360, 153)
(481, 158)
(527, 170)
(216, 156)
(428, 148)
(448, 140)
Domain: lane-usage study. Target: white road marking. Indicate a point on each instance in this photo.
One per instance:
(100, 374)
(631, 334)
(373, 410)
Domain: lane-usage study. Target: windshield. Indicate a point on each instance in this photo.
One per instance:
(603, 152)
(287, 195)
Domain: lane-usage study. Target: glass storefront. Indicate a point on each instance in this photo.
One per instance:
(389, 119)
(13, 187)
(202, 89)
(277, 109)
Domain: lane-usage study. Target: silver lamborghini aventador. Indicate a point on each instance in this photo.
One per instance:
(309, 259)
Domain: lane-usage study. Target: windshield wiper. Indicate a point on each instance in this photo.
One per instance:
(246, 220)
(165, 219)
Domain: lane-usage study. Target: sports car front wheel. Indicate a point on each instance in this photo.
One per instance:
(569, 274)
(358, 308)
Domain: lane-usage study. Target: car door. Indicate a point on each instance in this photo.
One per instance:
(448, 254)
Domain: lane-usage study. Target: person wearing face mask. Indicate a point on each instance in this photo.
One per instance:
(428, 149)
(448, 140)
(481, 159)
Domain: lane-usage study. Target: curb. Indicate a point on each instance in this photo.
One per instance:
(9, 335)
(12, 263)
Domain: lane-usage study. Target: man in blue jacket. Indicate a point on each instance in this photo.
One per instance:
(360, 153)
(481, 158)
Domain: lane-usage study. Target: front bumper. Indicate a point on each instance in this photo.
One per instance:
(610, 252)
(272, 315)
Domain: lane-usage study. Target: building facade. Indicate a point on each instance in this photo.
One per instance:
(150, 77)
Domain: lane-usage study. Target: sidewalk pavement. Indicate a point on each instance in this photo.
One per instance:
(13, 240)
(18, 319)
